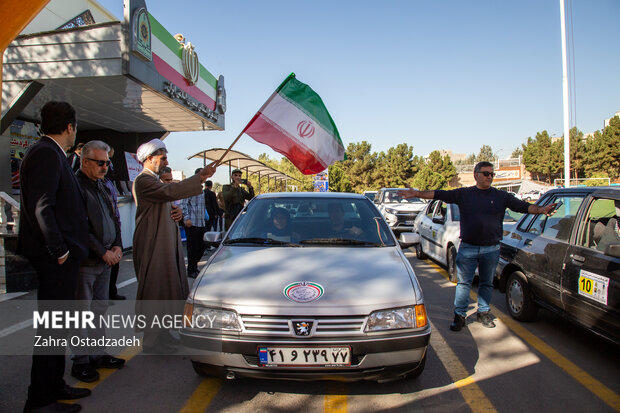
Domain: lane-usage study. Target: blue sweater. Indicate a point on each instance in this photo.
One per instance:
(482, 212)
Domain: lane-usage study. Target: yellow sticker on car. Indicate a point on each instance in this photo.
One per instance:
(593, 286)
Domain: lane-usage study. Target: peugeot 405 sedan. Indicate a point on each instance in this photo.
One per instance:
(326, 295)
(568, 262)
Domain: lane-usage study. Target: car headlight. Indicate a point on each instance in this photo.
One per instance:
(210, 318)
(391, 211)
(406, 317)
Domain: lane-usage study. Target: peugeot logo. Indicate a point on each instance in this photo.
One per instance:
(302, 328)
(305, 129)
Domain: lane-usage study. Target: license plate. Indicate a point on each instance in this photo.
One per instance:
(305, 356)
(408, 222)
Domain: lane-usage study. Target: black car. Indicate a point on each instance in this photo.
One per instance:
(568, 262)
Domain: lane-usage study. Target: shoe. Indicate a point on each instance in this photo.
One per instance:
(54, 407)
(160, 348)
(72, 393)
(458, 323)
(193, 274)
(486, 319)
(117, 297)
(108, 362)
(84, 372)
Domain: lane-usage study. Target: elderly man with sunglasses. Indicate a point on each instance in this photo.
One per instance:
(104, 251)
(482, 210)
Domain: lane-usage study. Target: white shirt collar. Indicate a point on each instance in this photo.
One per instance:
(61, 148)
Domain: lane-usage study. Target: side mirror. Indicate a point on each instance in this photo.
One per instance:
(214, 237)
(408, 239)
(438, 220)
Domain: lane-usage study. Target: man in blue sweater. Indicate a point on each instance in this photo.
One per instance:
(482, 210)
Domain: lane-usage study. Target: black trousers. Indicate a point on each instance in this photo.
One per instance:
(56, 291)
(195, 247)
(113, 278)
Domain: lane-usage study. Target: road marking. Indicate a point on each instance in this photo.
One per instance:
(465, 383)
(593, 385)
(336, 398)
(15, 327)
(128, 353)
(202, 396)
(126, 283)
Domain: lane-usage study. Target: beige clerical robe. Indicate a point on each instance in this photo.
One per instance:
(157, 249)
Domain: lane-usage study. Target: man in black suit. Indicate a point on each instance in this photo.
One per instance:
(53, 235)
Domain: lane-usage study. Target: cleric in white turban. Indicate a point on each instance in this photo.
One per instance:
(149, 148)
(157, 250)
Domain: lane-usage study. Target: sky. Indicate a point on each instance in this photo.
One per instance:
(435, 74)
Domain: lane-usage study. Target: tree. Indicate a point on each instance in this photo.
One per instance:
(441, 165)
(542, 157)
(396, 167)
(602, 151)
(426, 179)
(486, 154)
(338, 179)
(359, 166)
(518, 152)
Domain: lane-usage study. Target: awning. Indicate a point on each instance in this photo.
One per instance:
(236, 159)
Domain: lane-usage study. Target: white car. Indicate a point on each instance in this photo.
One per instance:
(399, 212)
(439, 229)
(328, 295)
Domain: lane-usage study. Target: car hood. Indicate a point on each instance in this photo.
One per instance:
(253, 279)
(414, 207)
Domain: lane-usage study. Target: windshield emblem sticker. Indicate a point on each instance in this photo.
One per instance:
(303, 291)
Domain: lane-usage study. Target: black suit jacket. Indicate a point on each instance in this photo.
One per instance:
(213, 208)
(53, 214)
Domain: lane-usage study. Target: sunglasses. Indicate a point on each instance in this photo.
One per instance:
(99, 162)
(487, 173)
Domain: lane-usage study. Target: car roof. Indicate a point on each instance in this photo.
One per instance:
(596, 190)
(327, 195)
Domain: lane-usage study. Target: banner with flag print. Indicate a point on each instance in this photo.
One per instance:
(295, 123)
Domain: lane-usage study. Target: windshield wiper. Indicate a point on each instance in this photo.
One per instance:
(260, 241)
(338, 241)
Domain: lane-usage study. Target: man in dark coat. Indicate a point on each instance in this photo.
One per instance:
(53, 235)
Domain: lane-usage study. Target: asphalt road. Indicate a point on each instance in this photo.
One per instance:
(546, 365)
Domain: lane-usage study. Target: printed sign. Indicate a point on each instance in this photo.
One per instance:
(593, 286)
(21, 136)
(320, 181)
(134, 167)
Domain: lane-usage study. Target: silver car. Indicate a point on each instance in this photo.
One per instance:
(327, 295)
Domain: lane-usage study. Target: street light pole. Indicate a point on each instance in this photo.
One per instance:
(565, 96)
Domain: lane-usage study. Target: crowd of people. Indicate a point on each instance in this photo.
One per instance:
(70, 231)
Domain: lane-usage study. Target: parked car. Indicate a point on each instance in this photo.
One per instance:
(568, 262)
(370, 195)
(315, 304)
(399, 212)
(439, 229)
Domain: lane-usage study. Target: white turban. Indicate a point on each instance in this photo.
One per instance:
(147, 149)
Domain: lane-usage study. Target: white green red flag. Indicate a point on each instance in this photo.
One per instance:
(295, 123)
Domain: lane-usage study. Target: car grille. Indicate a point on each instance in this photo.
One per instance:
(405, 216)
(281, 326)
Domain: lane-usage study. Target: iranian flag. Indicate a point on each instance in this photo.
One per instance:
(295, 123)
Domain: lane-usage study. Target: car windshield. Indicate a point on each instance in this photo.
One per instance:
(392, 197)
(310, 221)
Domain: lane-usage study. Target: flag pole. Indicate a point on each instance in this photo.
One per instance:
(289, 77)
(219, 161)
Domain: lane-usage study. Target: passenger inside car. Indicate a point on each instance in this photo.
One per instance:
(609, 233)
(280, 228)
